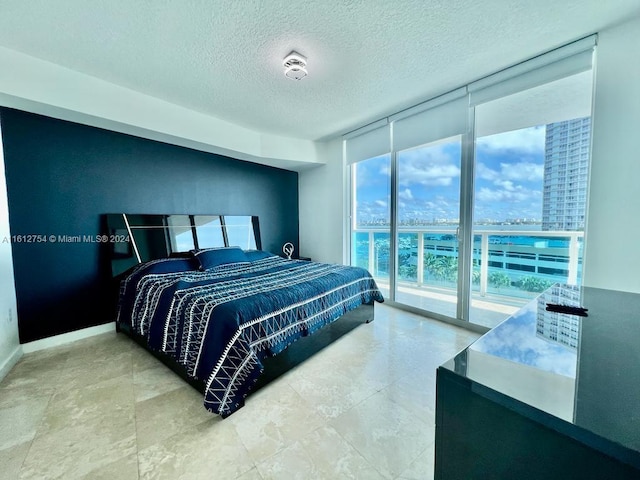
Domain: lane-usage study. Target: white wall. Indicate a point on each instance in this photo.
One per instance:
(612, 258)
(10, 349)
(321, 202)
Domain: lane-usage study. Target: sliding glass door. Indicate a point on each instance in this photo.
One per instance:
(428, 221)
(531, 172)
(371, 218)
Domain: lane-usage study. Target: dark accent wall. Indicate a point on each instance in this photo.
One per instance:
(62, 176)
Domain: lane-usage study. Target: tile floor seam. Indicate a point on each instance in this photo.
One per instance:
(41, 423)
(416, 459)
(355, 405)
(313, 407)
(244, 444)
(359, 452)
(135, 418)
(299, 441)
(406, 413)
(382, 474)
(25, 456)
(254, 464)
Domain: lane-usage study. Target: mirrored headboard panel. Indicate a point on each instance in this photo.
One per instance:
(136, 238)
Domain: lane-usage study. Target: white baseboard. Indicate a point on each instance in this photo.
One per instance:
(10, 362)
(65, 338)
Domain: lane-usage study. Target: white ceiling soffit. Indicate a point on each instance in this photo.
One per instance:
(366, 58)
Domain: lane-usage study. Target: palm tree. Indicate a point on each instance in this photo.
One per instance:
(429, 263)
(499, 279)
(449, 267)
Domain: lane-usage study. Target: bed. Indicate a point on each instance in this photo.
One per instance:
(216, 315)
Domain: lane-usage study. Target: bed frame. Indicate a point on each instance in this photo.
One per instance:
(154, 236)
(290, 357)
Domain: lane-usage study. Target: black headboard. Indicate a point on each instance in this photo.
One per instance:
(136, 238)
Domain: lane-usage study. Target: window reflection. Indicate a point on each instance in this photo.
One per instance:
(180, 234)
(209, 231)
(239, 231)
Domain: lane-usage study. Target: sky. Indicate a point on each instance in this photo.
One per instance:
(508, 180)
(517, 341)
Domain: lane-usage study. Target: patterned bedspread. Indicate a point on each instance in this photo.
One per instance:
(220, 323)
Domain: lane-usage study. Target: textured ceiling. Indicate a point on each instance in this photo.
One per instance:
(367, 58)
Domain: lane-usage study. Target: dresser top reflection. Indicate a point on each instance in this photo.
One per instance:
(583, 370)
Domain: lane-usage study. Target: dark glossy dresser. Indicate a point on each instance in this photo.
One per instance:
(546, 395)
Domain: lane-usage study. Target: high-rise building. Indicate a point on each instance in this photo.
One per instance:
(559, 327)
(566, 169)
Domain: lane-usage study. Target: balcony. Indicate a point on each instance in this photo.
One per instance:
(511, 265)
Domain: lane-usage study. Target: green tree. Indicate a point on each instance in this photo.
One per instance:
(475, 273)
(408, 272)
(429, 264)
(449, 267)
(443, 268)
(534, 284)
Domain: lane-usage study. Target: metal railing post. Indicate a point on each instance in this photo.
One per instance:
(484, 263)
(372, 255)
(420, 258)
(572, 277)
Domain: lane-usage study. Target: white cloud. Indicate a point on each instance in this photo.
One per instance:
(406, 194)
(434, 175)
(514, 341)
(486, 173)
(527, 141)
(508, 193)
(372, 172)
(521, 171)
(443, 201)
(430, 166)
(381, 203)
(506, 184)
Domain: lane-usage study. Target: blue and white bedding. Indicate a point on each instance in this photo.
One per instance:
(222, 311)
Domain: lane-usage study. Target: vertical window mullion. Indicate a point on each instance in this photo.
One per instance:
(465, 236)
(393, 220)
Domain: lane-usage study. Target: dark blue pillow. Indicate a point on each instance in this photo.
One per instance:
(167, 265)
(253, 255)
(213, 257)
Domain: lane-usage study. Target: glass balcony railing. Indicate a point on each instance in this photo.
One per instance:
(509, 262)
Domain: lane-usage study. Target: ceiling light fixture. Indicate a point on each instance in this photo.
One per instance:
(295, 66)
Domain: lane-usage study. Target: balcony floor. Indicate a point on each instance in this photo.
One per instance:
(487, 311)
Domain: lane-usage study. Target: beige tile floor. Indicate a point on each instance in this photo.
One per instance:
(103, 408)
